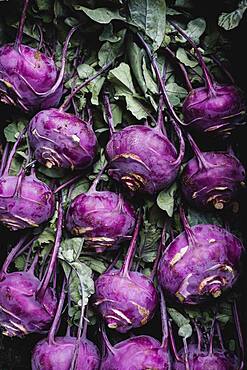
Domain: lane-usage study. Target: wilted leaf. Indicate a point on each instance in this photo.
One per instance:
(165, 199)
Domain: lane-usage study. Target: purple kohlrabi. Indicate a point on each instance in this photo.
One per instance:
(212, 179)
(141, 352)
(206, 354)
(28, 78)
(65, 353)
(25, 201)
(61, 139)
(213, 109)
(200, 360)
(103, 218)
(200, 262)
(143, 158)
(126, 299)
(28, 305)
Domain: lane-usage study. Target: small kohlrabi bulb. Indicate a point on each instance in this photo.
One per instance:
(103, 218)
(126, 299)
(201, 262)
(29, 79)
(212, 180)
(143, 158)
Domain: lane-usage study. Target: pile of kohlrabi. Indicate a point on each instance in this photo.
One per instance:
(121, 189)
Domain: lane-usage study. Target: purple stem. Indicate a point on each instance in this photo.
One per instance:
(182, 68)
(108, 112)
(199, 337)
(13, 151)
(132, 248)
(220, 336)
(11, 256)
(203, 164)
(41, 37)
(158, 255)
(160, 81)
(34, 263)
(4, 158)
(85, 83)
(239, 333)
(208, 77)
(54, 327)
(186, 354)
(106, 341)
(181, 143)
(45, 281)
(28, 259)
(19, 35)
(111, 266)
(95, 182)
(189, 233)
(211, 340)
(223, 68)
(164, 320)
(174, 349)
(69, 182)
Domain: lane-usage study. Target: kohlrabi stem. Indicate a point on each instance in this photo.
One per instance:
(220, 336)
(34, 263)
(59, 80)
(189, 233)
(186, 354)
(199, 337)
(203, 164)
(19, 35)
(181, 143)
(239, 334)
(113, 263)
(95, 182)
(45, 281)
(158, 255)
(106, 341)
(164, 321)
(13, 151)
(132, 248)
(41, 37)
(13, 253)
(160, 81)
(27, 259)
(67, 101)
(108, 112)
(68, 183)
(223, 68)
(4, 158)
(54, 327)
(208, 77)
(173, 344)
(211, 338)
(182, 68)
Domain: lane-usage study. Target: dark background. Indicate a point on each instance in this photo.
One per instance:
(15, 353)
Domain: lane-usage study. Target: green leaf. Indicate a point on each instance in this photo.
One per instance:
(177, 317)
(149, 16)
(100, 15)
(70, 249)
(108, 34)
(13, 130)
(84, 71)
(150, 83)
(109, 52)
(136, 55)
(196, 217)
(231, 20)
(121, 79)
(165, 199)
(183, 57)
(195, 29)
(95, 264)
(20, 263)
(150, 235)
(185, 331)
